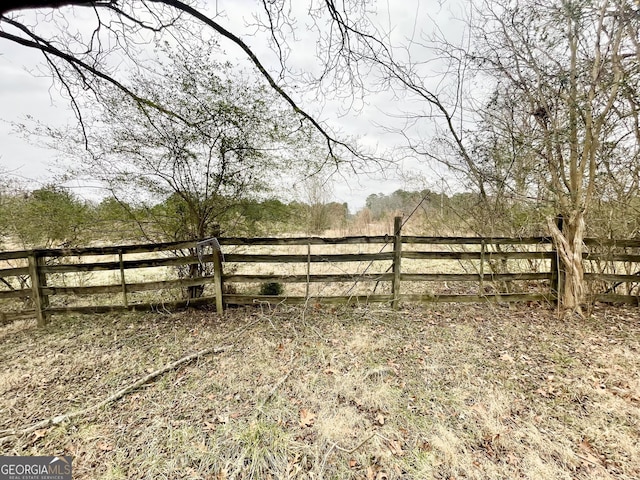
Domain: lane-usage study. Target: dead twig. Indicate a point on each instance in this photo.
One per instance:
(335, 446)
(360, 445)
(276, 387)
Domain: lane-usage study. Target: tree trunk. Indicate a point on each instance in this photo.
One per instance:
(195, 291)
(569, 245)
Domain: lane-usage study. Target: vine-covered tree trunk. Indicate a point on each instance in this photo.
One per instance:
(569, 245)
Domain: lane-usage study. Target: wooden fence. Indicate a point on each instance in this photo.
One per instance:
(487, 269)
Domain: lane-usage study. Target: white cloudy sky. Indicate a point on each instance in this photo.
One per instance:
(25, 90)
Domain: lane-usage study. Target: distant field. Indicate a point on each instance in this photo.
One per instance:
(476, 392)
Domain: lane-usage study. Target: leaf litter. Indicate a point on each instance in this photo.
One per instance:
(444, 391)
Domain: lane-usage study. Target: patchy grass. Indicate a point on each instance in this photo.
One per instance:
(441, 392)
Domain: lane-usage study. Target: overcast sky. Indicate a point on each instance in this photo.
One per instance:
(26, 90)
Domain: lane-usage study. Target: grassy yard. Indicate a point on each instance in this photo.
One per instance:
(447, 392)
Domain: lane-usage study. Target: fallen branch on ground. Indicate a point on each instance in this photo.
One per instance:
(9, 434)
(357, 447)
(112, 398)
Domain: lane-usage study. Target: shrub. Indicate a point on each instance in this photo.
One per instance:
(271, 288)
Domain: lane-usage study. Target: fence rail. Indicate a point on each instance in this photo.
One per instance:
(36, 277)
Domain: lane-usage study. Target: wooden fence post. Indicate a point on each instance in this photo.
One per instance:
(123, 280)
(483, 248)
(397, 256)
(557, 273)
(217, 278)
(38, 282)
(308, 286)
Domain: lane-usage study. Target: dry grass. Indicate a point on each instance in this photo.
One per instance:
(443, 392)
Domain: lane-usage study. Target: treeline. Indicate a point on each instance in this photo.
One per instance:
(431, 213)
(467, 213)
(53, 216)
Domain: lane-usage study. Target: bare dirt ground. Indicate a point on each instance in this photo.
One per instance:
(445, 392)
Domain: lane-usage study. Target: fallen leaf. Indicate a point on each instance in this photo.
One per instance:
(479, 408)
(105, 446)
(293, 467)
(396, 448)
(545, 393)
(425, 446)
(307, 418)
(589, 453)
(371, 473)
(507, 358)
(221, 475)
(40, 433)
(512, 459)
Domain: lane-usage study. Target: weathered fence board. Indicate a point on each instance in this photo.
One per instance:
(38, 282)
(90, 251)
(275, 241)
(473, 277)
(612, 298)
(130, 287)
(138, 307)
(300, 300)
(414, 255)
(339, 258)
(498, 298)
(612, 257)
(127, 265)
(320, 278)
(476, 240)
(396, 266)
(22, 293)
(610, 277)
(14, 272)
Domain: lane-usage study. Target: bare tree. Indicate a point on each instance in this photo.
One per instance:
(84, 60)
(567, 61)
(539, 102)
(564, 117)
(317, 194)
(237, 142)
